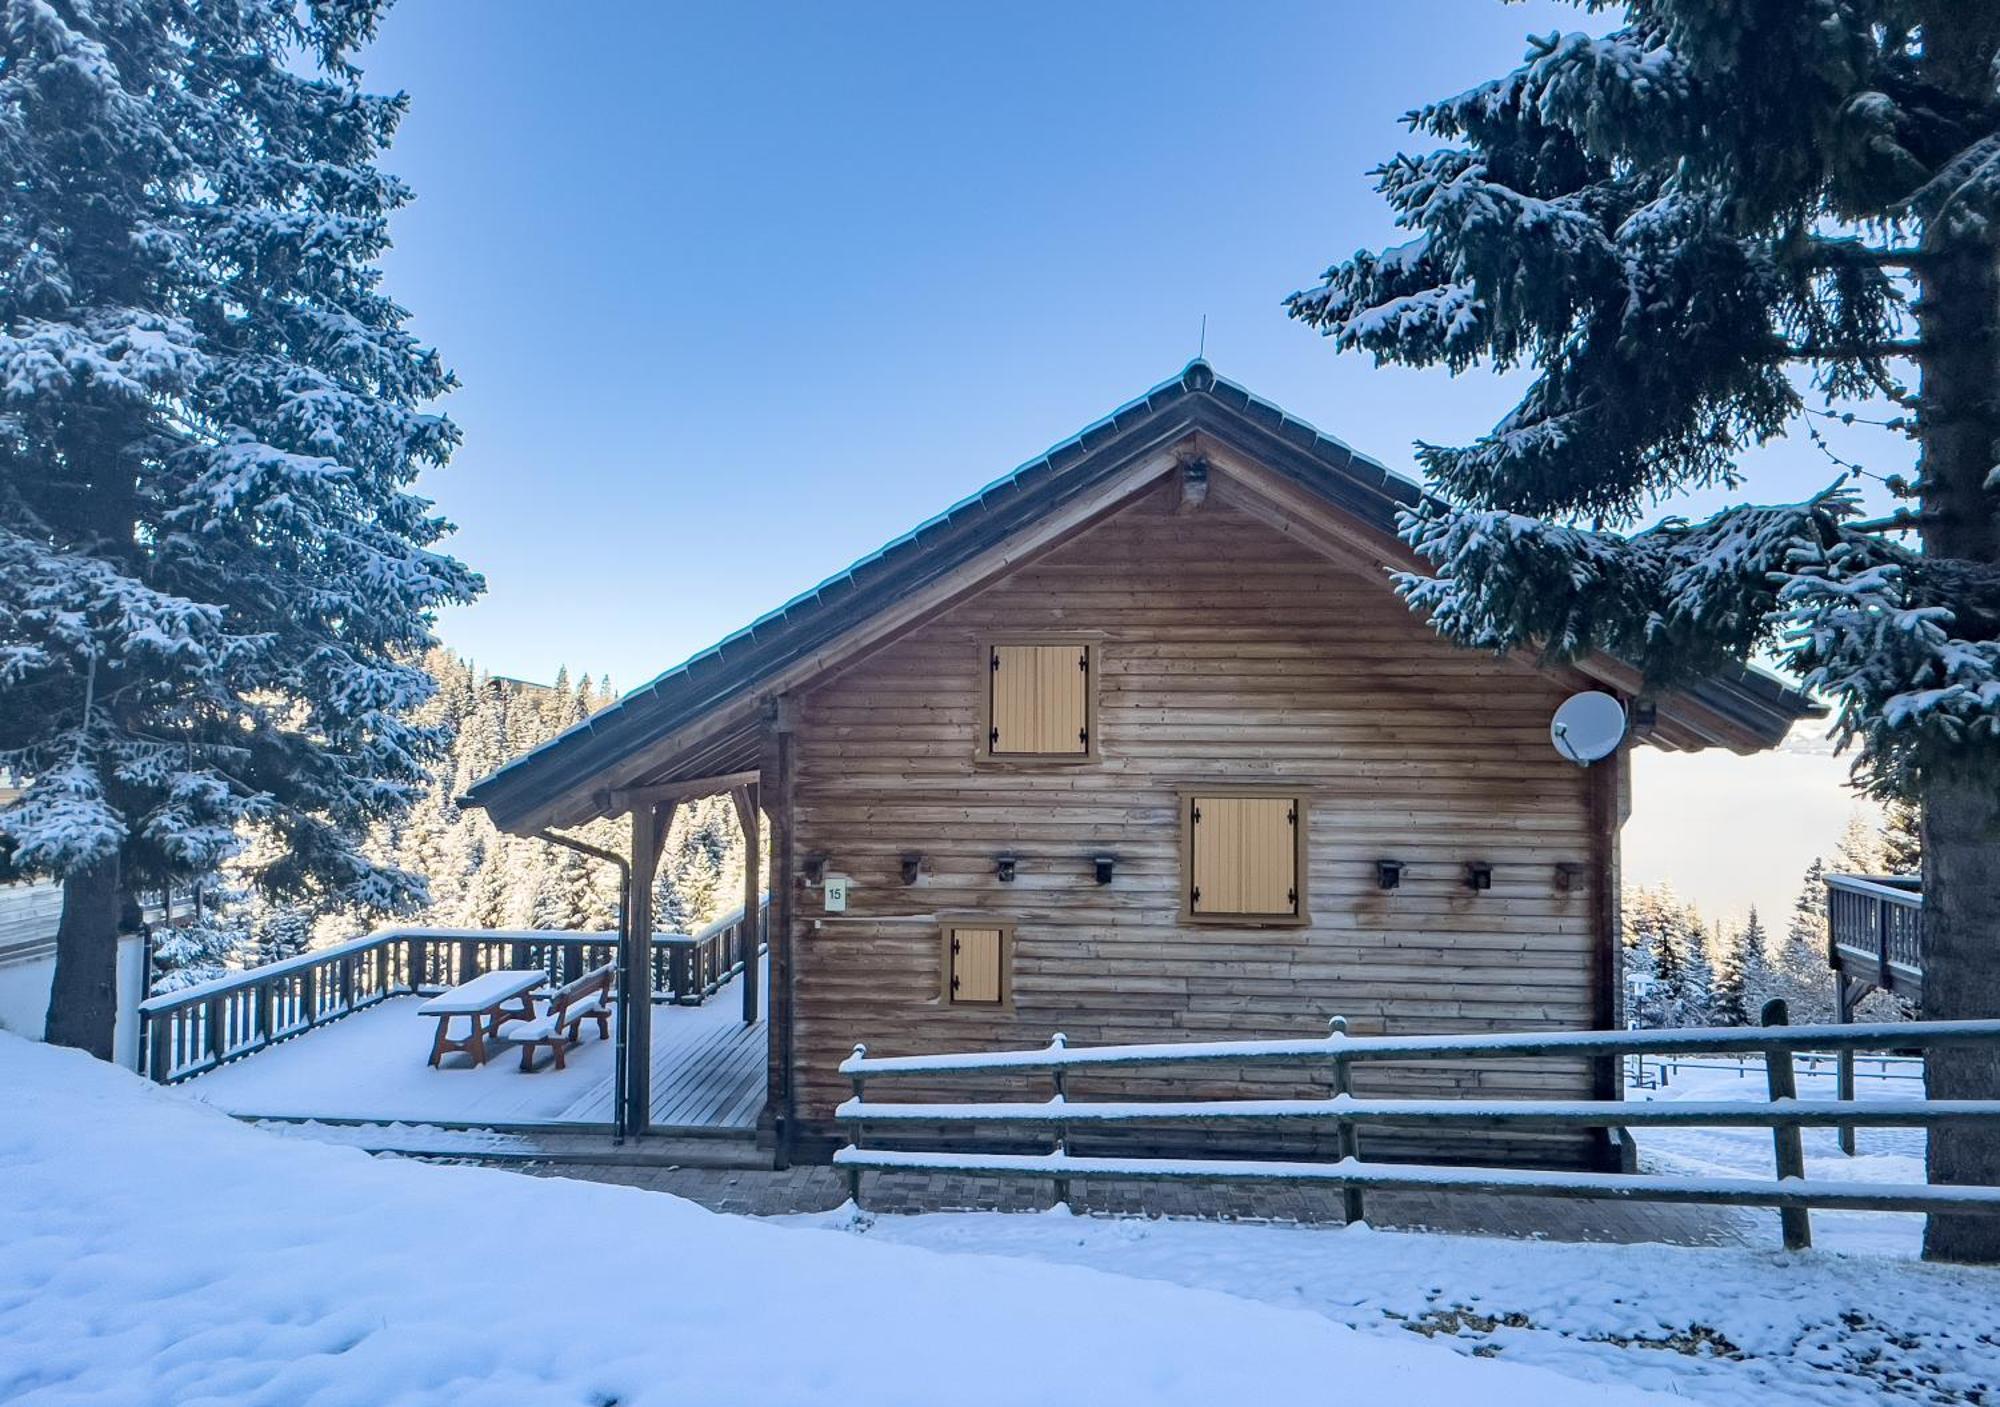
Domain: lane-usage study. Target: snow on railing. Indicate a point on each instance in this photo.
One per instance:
(195, 1029)
(1343, 1114)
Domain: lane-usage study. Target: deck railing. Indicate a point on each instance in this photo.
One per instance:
(1341, 1113)
(193, 1030)
(1874, 929)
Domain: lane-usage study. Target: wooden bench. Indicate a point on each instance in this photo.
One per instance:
(588, 998)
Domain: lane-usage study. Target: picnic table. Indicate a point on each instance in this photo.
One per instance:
(485, 1001)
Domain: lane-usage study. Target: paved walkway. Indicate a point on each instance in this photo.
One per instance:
(759, 1192)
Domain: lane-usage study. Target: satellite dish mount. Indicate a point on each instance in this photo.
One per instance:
(1588, 727)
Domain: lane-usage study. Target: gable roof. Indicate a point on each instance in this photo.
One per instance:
(1745, 708)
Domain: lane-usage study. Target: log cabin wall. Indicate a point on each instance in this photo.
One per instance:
(1223, 654)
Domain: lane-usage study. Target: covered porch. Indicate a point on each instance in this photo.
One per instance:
(707, 1074)
(339, 1036)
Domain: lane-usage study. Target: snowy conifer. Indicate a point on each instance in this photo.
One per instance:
(1702, 230)
(213, 570)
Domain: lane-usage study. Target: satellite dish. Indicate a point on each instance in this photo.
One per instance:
(1588, 726)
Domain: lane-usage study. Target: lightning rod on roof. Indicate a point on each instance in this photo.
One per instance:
(1201, 346)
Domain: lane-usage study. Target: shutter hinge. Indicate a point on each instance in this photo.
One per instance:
(1083, 661)
(954, 981)
(993, 661)
(993, 737)
(1194, 895)
(1083, 736)
(1197, 815)
(1292, 898)
(1292, 816)
(954, 947)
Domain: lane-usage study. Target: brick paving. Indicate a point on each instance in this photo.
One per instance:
(762, 1192)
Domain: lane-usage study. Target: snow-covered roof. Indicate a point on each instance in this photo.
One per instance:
(522, 794)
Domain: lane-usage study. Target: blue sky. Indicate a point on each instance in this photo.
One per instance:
(739, 292)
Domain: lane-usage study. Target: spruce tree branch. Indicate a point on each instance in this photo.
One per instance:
(1836, 253)
(1782, 350)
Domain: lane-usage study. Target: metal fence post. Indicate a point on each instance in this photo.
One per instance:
(1346, 1142)
(1796, 1222)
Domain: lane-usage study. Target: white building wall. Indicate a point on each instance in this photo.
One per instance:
(28, 915)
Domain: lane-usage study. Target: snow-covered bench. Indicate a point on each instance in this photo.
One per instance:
(588, 998)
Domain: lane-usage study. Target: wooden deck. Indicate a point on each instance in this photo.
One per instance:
(1875, 935)
(708, 1074)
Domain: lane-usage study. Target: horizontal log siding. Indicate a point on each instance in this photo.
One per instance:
(1227, 654)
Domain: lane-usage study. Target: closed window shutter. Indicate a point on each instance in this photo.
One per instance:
(1245, 853)
(975, 965)
(1039, 699)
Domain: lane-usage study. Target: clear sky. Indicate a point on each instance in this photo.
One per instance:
(740, 292)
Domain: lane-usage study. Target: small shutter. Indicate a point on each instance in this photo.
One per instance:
(975, 964)
(1039, 694)
(1245, 851)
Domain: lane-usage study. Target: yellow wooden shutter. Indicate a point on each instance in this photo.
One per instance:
(1039, 699)
(1245, 852)
(975, 964)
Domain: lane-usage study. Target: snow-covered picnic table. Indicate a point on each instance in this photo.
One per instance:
(484, 1000)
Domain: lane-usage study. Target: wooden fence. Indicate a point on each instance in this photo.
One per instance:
(191, 1031)
(1784, 1114)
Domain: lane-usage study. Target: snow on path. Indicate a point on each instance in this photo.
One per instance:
(153, 1251)
(1883, 1154)
(1726, 1327)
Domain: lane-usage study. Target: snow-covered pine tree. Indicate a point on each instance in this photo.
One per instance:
(214, 575)
(193, 952)
(1902, 844)
(1801, 974)
(1744, 979)
(1859, 850)
(284, 931)
(1694, 227)
(1731, 1005)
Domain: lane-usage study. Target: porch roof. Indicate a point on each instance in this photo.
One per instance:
(565, 779)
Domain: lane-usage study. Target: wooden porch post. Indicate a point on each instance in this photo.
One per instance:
(650, 823)
(639, 971)
(746, 816)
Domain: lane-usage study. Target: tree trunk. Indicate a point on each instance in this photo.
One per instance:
(1958, 317)
(83, 999)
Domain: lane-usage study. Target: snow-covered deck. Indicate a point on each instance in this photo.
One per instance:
(708, 1072)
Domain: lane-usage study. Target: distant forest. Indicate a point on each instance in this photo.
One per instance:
(478, 877)
(1683, 970)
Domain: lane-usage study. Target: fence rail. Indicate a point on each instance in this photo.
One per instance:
(194, 1030)
(1785, 1115)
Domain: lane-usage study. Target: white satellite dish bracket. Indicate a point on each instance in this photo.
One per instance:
(1588, 727)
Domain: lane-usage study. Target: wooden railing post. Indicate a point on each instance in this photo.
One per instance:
(1057, 1042)
(1346, 1142)
(160, 1060)
(1796, 1222)
(854, 1174)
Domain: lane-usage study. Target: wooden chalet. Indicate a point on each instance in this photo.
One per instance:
(1138, 743)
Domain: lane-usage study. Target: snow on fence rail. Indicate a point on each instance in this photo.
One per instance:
(191, 1031)
(1784, 1114)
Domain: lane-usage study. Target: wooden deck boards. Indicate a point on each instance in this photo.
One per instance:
(708, 1073)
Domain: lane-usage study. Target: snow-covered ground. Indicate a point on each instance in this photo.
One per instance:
(1881, 1155)
(153, 1251)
